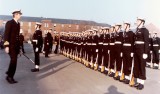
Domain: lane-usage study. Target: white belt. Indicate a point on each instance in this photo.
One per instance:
(105, 43)
(139, 42)
(79, 44)
(126, 44)
(100, 43)
(93, 43)
(149, 44)
(88, 43)
(118, 42)
(84, 44)
(111, 44)
(155, 45)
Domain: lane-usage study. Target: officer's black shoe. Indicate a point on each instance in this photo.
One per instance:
(111, 75)
(106, 72)
(14, 81)
(34, 70)
(126, 81)
(11, 80)
(156, 67)
(140, 87)
(136, 85)
(116, 78)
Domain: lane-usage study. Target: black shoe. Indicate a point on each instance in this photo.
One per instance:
(111, 75)
(14, 81)
(106, 72)
(140, 87)
(34, 70)
(116, 78)
(10, 80)
(126, 81)
(136, 85)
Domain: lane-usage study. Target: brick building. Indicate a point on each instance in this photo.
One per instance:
(58, 25)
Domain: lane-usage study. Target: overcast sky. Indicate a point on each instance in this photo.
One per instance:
(105, 11)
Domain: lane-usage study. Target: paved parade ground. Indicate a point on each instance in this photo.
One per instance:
(60, 75)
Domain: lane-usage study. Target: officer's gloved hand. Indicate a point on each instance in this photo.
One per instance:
(159, 51)
(121, 54)
(145, 56)
(151, 52)
(47, 43)
(36, 50)
(97, 50)
(108, 51)
(131, 54)
(7, 50)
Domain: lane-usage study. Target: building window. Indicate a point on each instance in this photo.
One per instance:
(29, 24)
(62, 25)
(77, 27)
(29, 30)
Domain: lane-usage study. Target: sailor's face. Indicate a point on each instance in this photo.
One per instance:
(124, 26)
(17, 16)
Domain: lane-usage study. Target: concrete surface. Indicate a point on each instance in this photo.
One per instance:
(60, 75)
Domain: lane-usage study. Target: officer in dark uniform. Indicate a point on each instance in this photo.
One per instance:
(105, 49)
(46, 44)
(12, 44)
(100, 47)
(61, 42)
(36, 41)
(95, 49)
(156, 50)
(112, 52)
(141, 48)
(118, 49)
(56, 39)
(150, 52)
(21, 37)
(50, 40)
(128, 44)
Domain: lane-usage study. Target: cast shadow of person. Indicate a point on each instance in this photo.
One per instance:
(113, 90)
(53, 66)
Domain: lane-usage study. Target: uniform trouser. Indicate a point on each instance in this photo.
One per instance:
(22, 47)
(13, 63)
(50, 47)
(100, 52)
(46, 51)
(37, 61)
(89, 53)
(127, 60)
(112, 56)
(79, 50)
(149, 56)
(56, 50)
(155, 55)
(106, 56)
(94, 53)
(118, 56)
(40, 48)
(139, 63)
(83, 51)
